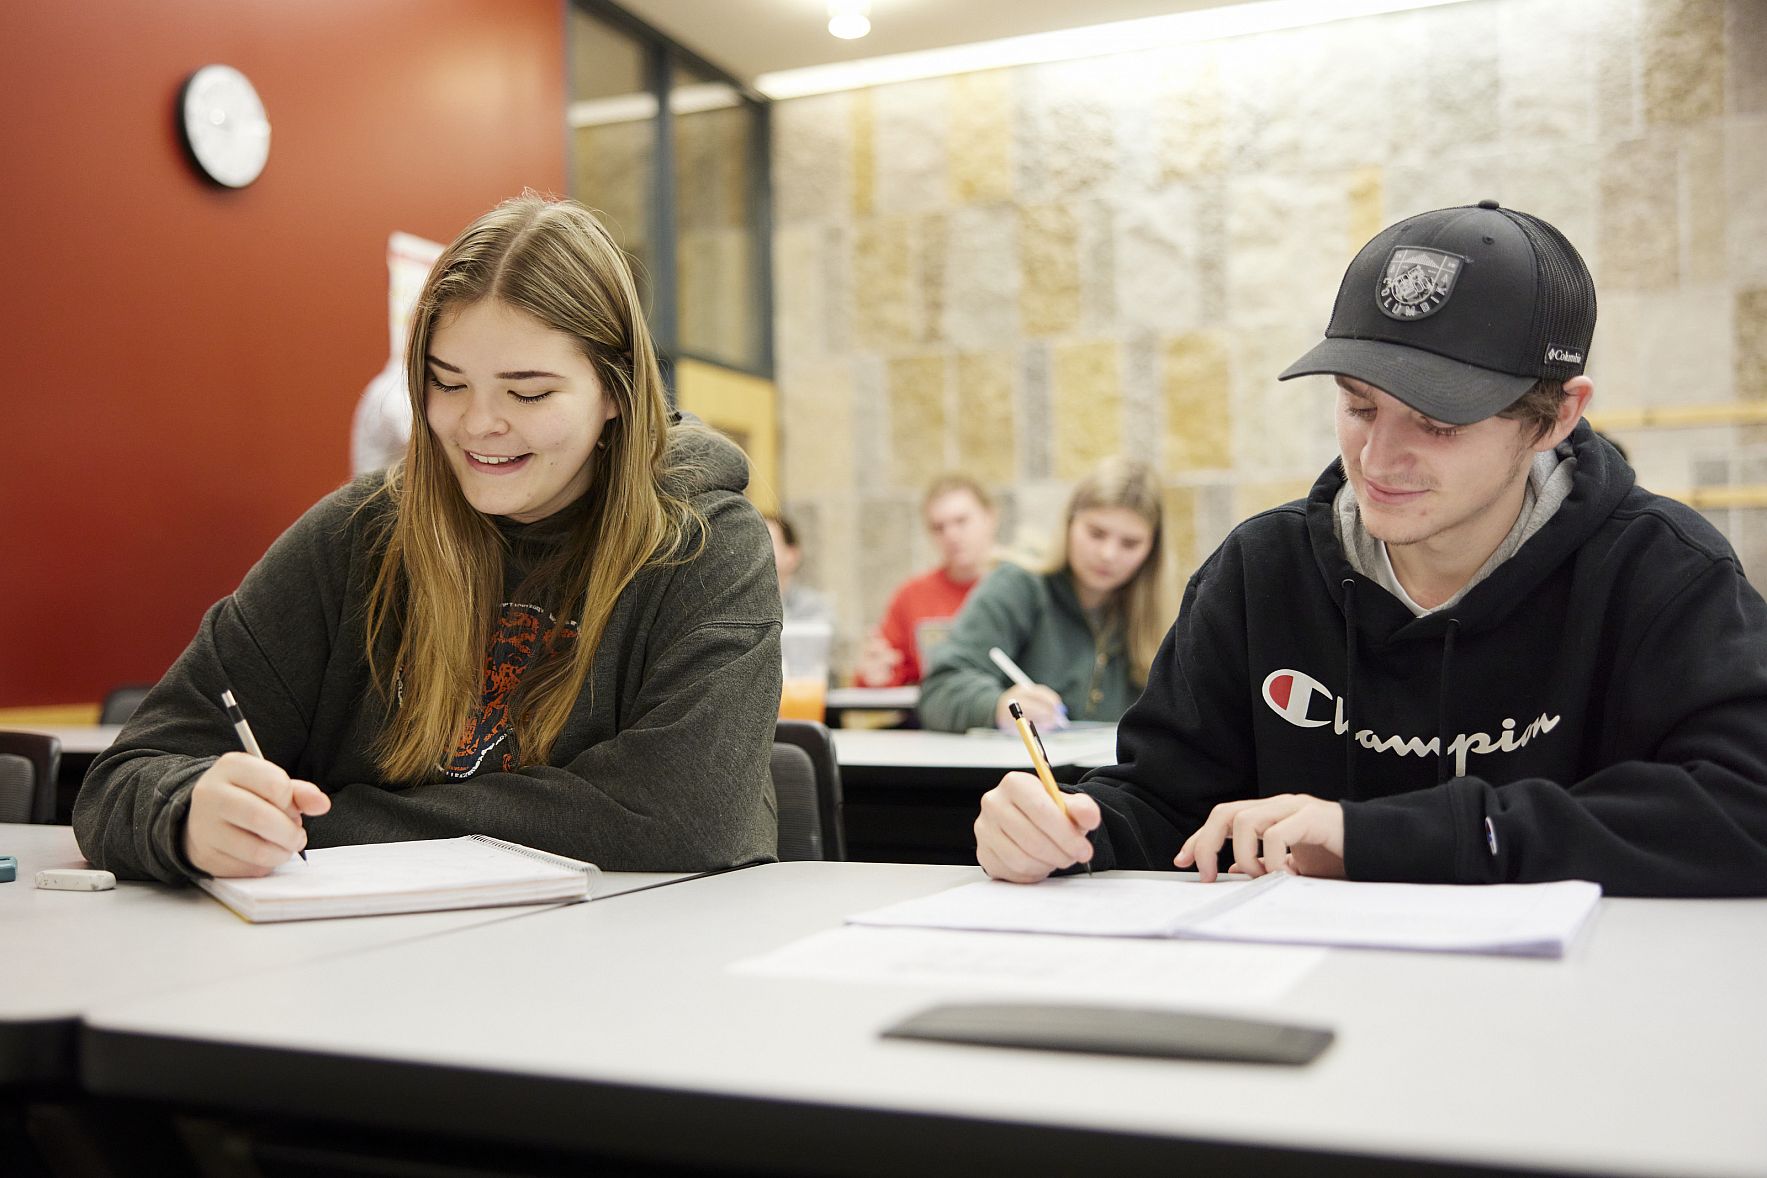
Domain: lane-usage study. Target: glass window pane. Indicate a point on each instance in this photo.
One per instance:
(715, 246)
(613, 135)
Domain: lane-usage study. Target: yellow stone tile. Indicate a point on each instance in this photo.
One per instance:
(981, 137)
(1049, 269)
(1178, 521)
(1251, 498)
(1367, 193)
(1189, 122)
(1196, 380)
(985, 419)
(934, 253)
(864, 154)
(883, 279)
(1087, 392)
(816, 430)
(1751, 345)
(1681, 48)
(917, 418)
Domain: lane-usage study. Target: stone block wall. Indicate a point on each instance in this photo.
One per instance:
(1017, 272)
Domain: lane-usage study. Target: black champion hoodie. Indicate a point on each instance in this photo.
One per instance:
(1595, 709)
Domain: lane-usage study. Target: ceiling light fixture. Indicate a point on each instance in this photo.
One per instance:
(849, 19)
(1205, 24)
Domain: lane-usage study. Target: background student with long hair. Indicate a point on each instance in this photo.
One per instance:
(554, 622)
(1085, 629)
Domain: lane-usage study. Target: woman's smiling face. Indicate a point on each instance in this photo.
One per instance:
(516, 407)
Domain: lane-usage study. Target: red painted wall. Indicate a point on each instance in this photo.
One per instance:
(180, 362)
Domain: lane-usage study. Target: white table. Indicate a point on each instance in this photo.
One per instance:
(70, 951)
(86, 740)
(913, 795)
(619, 1030)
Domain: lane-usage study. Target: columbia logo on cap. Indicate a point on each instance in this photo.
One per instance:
(1558, 355)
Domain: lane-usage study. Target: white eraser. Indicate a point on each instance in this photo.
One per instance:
(76, 879)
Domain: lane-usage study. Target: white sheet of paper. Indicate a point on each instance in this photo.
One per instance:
(1153, 972)
(1074, 905)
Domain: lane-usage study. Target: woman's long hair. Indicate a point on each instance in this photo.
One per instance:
(1138, 607)
(440, 582)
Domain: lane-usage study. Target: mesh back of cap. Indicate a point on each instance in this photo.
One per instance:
(1564, 314)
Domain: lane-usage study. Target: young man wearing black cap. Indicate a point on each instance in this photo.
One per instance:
(1477, 652)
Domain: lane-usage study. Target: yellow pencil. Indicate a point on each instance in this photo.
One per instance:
(1034, 745)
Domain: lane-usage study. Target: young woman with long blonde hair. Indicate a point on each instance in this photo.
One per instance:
(555, 621)
(1084, 628)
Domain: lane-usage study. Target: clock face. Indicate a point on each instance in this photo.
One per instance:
(224, 125)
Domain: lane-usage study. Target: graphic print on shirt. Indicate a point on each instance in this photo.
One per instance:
(1291, 695)
(489, 743)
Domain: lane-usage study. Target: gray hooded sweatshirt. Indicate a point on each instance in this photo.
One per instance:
(662, 765)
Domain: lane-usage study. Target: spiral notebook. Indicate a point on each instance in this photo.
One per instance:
(373, 879)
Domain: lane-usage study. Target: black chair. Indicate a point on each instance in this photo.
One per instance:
(28, 764)
(121, 702)
(807, 786)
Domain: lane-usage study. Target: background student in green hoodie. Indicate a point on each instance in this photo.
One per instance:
(1084, 630)
(555, 621)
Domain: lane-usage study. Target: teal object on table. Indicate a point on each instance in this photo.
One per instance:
(8, 869)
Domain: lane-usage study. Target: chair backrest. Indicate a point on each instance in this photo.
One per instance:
(29, 762)
(120, 703)
(807, 787)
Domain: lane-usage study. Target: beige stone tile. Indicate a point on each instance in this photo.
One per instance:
(1745, 164)
(1064, 130)
(1087, 392)
(1751, 344)
(885, 310)
(1289, 238)
(933, 254)
(987, 445)
(980, 305)
(1745, 59)
(1196, 378)
(1683, 342)
(1681, 48)
(981, 137)
(1308, 98)
(1049, 269)
(1159, 278)
(1439, 115)
(910, 131)
(813, 158)
(1640, 234)
(862, 116)
(1619, 99)
(1615, 363)
(1546, 74)
(918, 419)
(798, 294)
(1704, 225)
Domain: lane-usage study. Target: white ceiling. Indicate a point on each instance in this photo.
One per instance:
(752, 37)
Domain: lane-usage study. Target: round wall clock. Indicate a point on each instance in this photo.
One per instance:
(224, 125)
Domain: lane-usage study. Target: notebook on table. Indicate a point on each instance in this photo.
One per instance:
(474, 871)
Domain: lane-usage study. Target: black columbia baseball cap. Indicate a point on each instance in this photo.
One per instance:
(1458, 312)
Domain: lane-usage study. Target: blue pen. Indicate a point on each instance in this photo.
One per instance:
(245, 734)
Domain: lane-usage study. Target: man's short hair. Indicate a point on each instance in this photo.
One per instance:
(1538, 407)
(947, 483)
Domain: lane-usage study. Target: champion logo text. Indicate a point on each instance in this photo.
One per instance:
(1291, 694)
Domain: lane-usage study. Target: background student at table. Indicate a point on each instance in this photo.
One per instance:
(1084, 629)
(800, 602)
(1477, 652)
(962, 520)
(555, 621)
